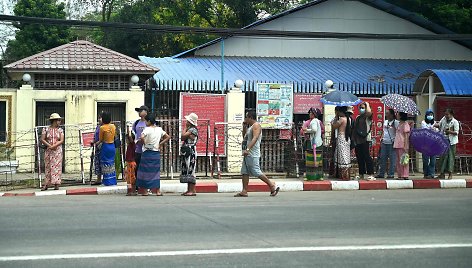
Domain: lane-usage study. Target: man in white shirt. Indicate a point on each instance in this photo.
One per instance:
(449, 126)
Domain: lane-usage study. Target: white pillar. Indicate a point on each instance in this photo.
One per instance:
(235, 108)
(430, 93)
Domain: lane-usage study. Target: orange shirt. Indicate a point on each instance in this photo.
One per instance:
(107, 133)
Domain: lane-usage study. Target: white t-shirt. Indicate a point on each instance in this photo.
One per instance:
(389, 131)
(314, 130)
(152, 137)
(452, 125)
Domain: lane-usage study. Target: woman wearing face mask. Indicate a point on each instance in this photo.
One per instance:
(390, 127)
(429, 162)
(449, 126)
(401, 145)
(362, 139)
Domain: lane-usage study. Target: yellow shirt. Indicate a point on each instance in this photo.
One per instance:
(107, 133)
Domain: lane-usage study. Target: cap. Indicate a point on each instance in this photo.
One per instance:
(142, 108)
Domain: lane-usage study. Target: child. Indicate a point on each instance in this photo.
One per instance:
(130, 174)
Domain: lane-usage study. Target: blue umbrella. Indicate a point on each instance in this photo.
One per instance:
(340, 98)
(429, 142)
(400, 103)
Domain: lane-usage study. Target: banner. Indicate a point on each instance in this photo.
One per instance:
(274, 105)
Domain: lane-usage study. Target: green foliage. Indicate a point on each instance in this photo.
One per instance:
(456, 15)
(32, 38)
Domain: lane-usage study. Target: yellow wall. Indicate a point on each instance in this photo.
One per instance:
(80, 108)
(235, 109)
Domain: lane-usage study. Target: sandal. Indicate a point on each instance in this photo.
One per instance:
(275, 192)
(190, 194)
(184, 193)
(96, 183)
(241, 195)
(56, 187)
(44, 188)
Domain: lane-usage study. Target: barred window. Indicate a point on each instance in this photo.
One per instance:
(81, 82)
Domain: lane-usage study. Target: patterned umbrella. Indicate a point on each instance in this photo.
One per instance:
(340, 98)
(400, 103)
(428, 142)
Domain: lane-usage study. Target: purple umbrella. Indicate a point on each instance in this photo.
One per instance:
(429, 142)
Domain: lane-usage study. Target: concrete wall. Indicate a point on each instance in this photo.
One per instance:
(80, 108)
(345, 17)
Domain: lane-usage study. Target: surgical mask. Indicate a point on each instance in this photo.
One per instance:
(430, 117)
(362, 110)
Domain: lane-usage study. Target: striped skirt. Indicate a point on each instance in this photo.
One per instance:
(149, 170)
(107, 161)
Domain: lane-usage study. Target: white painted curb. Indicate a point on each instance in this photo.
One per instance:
(1, 194)
(51, 193)
(290, 186)
(344, 185)
(103, 190)
(457, 183)
(229, 187)
(173, 188)
(397, 184)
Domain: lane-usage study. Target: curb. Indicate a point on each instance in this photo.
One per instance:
(285, 186)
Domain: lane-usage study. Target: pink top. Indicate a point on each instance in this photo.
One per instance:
(402, 136)
(305, 125)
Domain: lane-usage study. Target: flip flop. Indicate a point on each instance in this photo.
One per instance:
(190, 194)
(159, 194)
(275, 192)
(240, 195)
(183, 194)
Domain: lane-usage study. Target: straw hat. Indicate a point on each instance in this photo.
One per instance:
(192, 118)
(55, 116)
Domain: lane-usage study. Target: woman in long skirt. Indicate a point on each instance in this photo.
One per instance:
(188, 155)
(149, 169)
(342, 155)
(401, 146)
(53, 137)
(107, 150)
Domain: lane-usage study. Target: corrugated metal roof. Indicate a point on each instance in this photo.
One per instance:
(81, 56)
(351, 74)
(452, 82)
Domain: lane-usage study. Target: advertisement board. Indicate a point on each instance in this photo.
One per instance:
(274, 105)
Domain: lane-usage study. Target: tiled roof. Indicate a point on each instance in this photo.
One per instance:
(371, 76)
(81, 56)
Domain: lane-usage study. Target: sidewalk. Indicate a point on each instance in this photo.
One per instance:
(255, 185)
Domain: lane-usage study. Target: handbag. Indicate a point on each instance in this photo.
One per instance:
(362, 132)
(185, 150)
(404, 159)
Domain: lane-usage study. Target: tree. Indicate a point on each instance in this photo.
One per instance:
(32, 38)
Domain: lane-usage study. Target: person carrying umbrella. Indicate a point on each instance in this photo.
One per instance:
(429, 162)
(449, 126)
(342, 155)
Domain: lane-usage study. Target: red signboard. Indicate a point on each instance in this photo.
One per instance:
(208, 107)
(462, 109)
(303, 102)
(87, 138)
(378, 118)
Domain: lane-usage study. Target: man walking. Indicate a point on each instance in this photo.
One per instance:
(252, 155)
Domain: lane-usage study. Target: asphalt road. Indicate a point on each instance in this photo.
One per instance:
(394, 228)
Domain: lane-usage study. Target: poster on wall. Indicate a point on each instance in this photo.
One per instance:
(378, 118)
(303, 102)
(274, 105)
(210, 109)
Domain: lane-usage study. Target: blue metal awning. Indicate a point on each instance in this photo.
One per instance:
(450, 82)
(359, 76)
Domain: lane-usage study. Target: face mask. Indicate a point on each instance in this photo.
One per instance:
(430, 117)
(362, 111)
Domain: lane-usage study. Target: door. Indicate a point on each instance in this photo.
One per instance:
(44, 109)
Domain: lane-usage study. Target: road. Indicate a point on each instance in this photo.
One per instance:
(394, 228)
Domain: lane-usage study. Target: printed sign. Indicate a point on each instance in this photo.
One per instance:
(208, 107)
(274, 106)
(87, 138)
(303, 102)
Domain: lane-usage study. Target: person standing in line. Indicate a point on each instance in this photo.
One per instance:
(429, 162)
(107, 150)
(401, 146)
(188, 153)
(130, 173)
(137, 129)
(449, 126)
(315, 145)
(390, 127)
(96, 157)
(149, 170)
(252, 155)
(53, 137)
(362, 139)
(342, 155)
